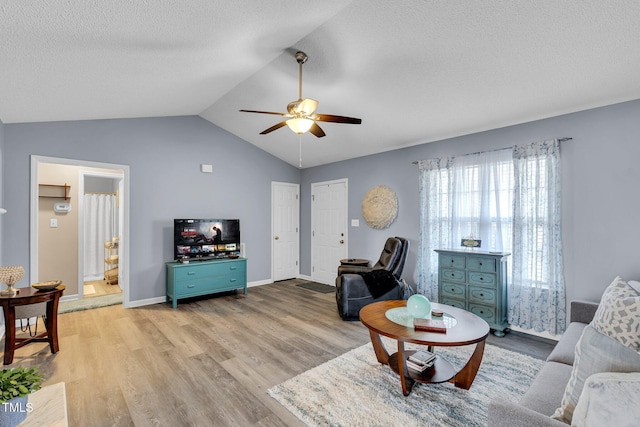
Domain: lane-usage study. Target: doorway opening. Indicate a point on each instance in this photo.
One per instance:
(57, 233)
(99, 223)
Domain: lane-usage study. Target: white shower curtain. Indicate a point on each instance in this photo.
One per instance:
(99, 226)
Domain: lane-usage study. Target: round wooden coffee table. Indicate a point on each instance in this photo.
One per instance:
(468, 329)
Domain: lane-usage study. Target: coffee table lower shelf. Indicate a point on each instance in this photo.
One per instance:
(441, 371)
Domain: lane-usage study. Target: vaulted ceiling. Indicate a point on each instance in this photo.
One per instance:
(414, 71)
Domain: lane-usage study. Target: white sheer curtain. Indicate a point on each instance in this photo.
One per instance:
(99, 227)
(509, 199)
(465, 196)
(536, 292)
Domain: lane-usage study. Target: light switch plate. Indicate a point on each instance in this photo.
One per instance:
(355, 223)
(204, 168)
(53, 223)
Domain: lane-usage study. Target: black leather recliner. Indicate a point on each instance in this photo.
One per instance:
(352, 292)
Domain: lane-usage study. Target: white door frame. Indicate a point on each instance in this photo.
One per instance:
(124, 203)
(346, 216)
(82, 174)
(273, 222)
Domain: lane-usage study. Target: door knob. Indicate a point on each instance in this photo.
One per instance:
(277, 238)
(342, 242)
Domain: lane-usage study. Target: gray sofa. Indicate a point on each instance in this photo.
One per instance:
(545, 394)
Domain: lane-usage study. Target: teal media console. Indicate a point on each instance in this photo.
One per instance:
(199, 278)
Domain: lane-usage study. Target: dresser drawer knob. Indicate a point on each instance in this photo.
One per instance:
(191, 273)
(481, 295)
(482, 278)
(191, 286)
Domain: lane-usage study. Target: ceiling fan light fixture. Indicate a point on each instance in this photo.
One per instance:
(300, 125)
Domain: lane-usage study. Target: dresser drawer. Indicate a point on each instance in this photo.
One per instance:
(190, 274)
(452, 275)
(482, 295)
(192, 287)
(481, 264)
(452, 261)
(482, 279)
(197, 271)
(454, 303)
(483, 311)
(453, 290)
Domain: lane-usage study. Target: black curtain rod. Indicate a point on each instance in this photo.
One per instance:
(565, 139)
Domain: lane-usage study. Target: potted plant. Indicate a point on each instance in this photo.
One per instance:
(15, 386)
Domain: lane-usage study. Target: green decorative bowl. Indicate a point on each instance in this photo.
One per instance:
(418, 306)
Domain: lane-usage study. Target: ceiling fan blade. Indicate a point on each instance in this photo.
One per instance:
(265, 112)
(308, 106)
(274, 127)
(336, 119)
(316, 130)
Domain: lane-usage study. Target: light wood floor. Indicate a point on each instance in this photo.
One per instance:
(99, 288)
(207, 363)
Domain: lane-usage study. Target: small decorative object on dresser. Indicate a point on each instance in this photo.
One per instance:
(477, 282)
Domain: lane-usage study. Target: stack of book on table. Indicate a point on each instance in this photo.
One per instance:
(421, 360)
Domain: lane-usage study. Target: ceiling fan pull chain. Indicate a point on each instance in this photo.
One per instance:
(300, 135)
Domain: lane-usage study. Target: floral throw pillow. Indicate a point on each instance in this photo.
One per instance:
(618, 314)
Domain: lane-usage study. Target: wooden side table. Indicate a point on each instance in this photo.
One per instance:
(27, 296)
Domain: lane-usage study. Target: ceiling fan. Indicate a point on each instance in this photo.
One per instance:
(300, 114)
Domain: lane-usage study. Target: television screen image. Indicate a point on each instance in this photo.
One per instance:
(206, 238)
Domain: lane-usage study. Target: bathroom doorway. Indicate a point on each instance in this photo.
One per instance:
(57, 241)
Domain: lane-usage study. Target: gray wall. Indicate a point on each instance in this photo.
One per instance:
(601, 200)
(164, 156)
(600, 181)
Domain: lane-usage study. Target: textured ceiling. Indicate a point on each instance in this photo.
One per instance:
(415, 71)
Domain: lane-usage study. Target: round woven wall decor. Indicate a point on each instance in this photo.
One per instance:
(380, 207)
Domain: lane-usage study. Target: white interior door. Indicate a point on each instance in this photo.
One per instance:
(328, 229)
(285, 217)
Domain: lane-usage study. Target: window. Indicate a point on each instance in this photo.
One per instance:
(510, 200)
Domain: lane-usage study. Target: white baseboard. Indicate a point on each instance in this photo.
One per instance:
(143, 302)
(259, 283)
(546, 335)
(304, 277)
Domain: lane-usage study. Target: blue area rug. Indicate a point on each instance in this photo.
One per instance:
(355, 390)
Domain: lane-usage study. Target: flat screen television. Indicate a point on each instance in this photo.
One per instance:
(202, 239)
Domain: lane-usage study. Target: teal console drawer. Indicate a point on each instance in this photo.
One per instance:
(452, 261)
(453, 275)
(191, 287)
(454, 303)
(454, 290)
(482, 279)
(482, 295)
(482, 264)
(483, 311)
(188, 274)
